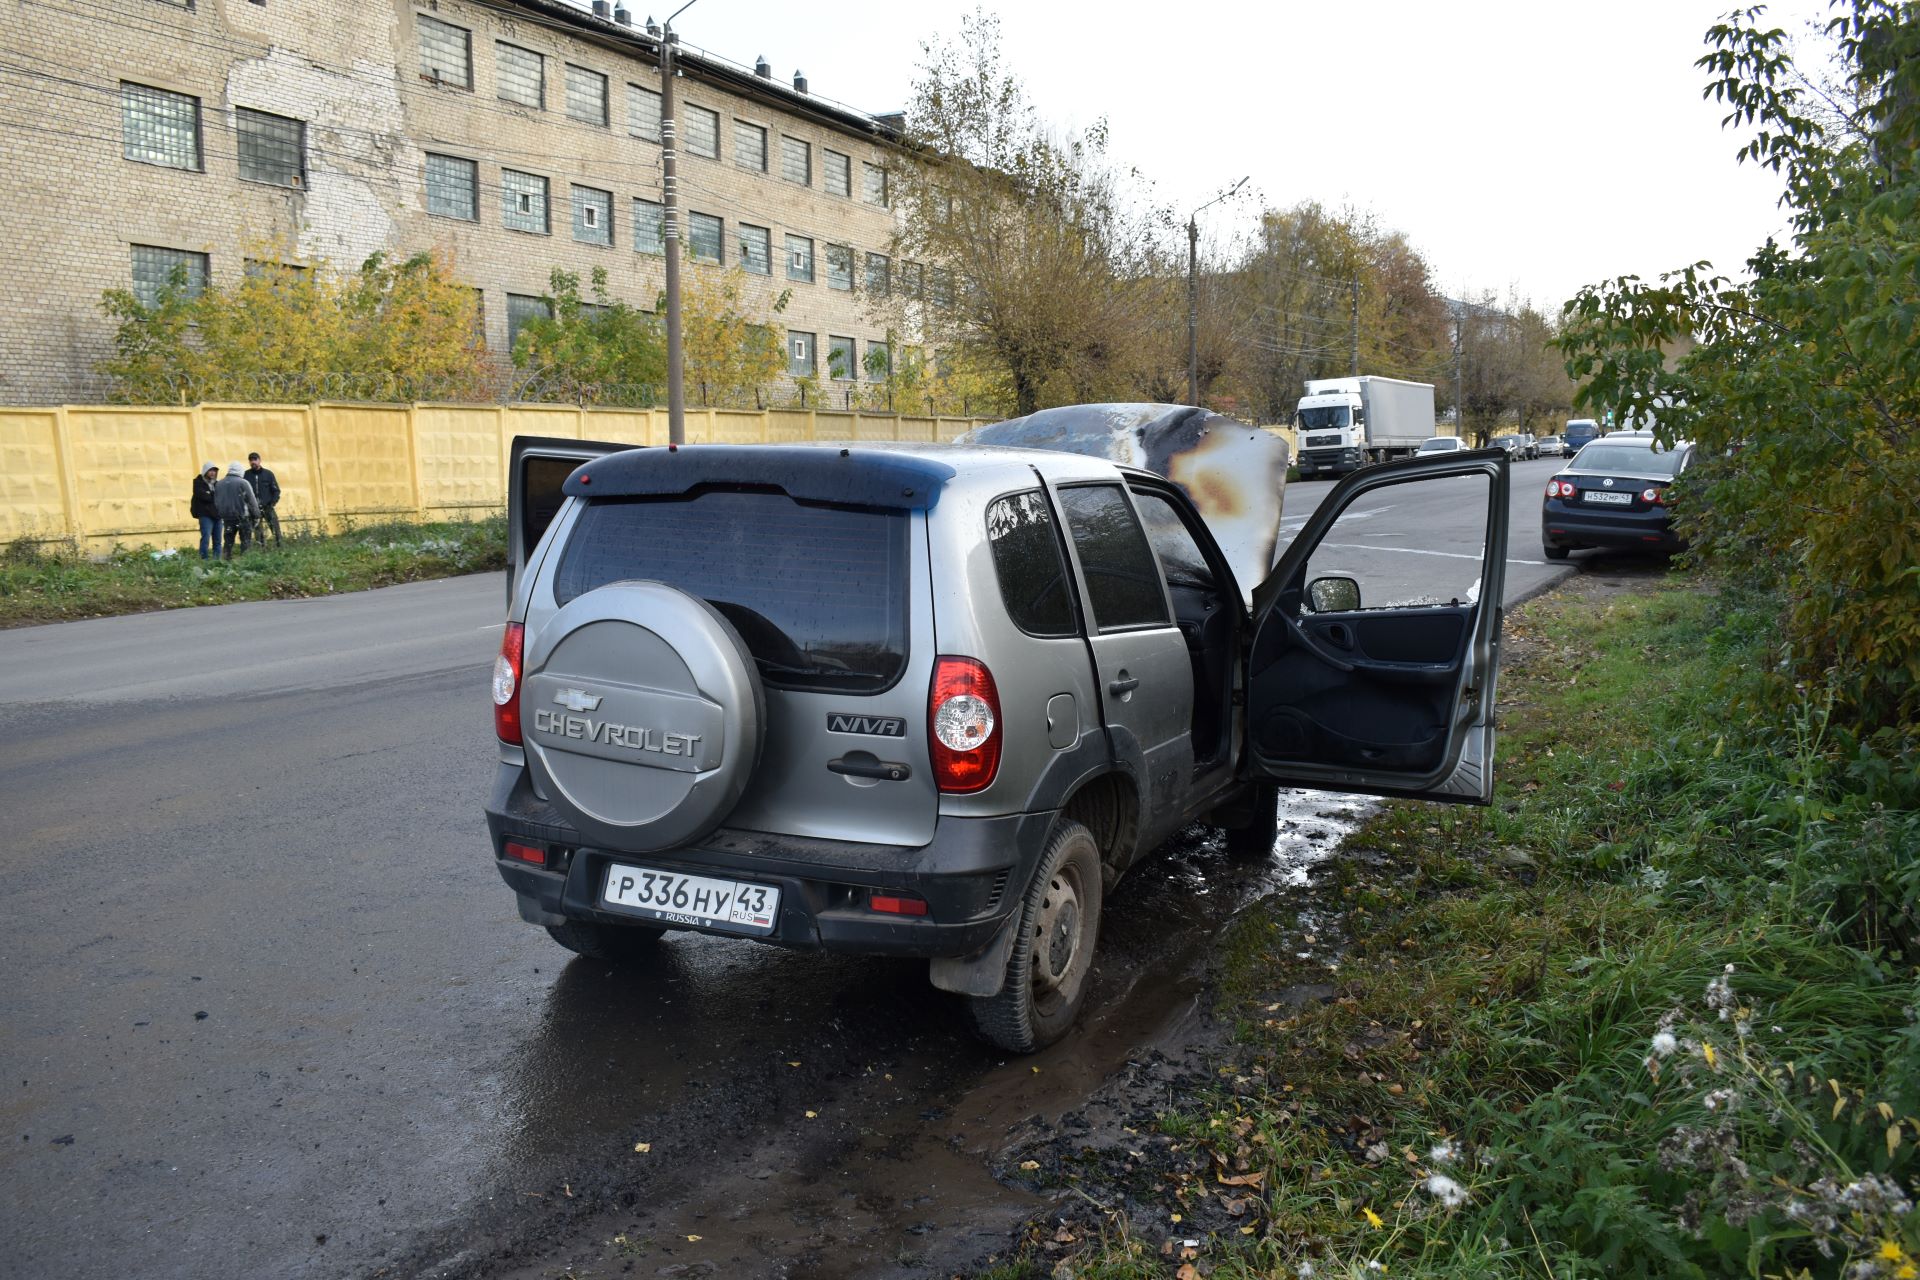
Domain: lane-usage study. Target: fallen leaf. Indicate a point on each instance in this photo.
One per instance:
(1246, 1231)
(641, 1148)
(568, 1188)
(793, 1064)
(695, 1239)
(1253, 1179)
(1174, 1216)
(1186, 1272)
(1029, 1165)
(813, 1115)
(1064, 1236)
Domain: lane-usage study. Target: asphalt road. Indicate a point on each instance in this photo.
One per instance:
(271, 1012)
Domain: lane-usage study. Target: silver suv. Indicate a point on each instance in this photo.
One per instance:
(933, 701)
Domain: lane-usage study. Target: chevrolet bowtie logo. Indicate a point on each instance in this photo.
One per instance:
(577, 699)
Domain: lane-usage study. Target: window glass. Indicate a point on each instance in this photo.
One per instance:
(649, 226)
(1628, 459)
(913, 279)
(586, 95)
(156, 269)
(879, 361)
(520, 75)
(800, 259)
(703, 132)
(1439, 567)
(1123, 586)
(592, 216)
(756, 250)
(523, 202)
(839, 171)
(643, 113)
(800, 351)
(1028, 561)
(818, 592)
(446, 52)
(158, 127)
(942, 281)
(749, 146)
(1181, 559)
(840, 359)
(873, 184)
(839, 267)
(879, 275)
(522, 308)
(704, 237)
(272, 148)
(796, 161)
(453, 187)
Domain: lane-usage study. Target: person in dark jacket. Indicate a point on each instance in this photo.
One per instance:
(202, 509)
(238, 509)
(266, 490)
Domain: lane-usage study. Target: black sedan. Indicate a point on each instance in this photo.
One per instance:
(1614, 494)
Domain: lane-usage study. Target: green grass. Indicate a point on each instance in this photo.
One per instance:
(42, 582)
(1502, 973)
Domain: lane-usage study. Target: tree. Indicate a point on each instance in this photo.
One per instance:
(1802, 388)
(729, 353)
(598, 352)
(1511, 373)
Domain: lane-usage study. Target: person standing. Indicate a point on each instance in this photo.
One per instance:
(203, 511)
(266, 490)
(238, 509)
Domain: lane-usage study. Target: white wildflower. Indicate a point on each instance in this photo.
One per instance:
(1444, 1153)
(1446, 1190)
(1374, 1264)
(1720, 1098)
(1664, 1043)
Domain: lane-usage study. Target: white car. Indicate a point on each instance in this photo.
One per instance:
(1552, 447)
(1442, 444)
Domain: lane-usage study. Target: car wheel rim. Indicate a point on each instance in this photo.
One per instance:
(1057, 939)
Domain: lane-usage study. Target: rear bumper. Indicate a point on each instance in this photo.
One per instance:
(971, 875)
(1643, 530)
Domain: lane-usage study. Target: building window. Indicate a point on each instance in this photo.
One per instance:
(839, 171)
(840, 359)
(586, 96)
(839, 267)
(523, 202)
(446, 52)
(158, 127)
(879, 275)
(756, 249)
(749, 146)
(703, 132)
(643, 113)
(156, 269)
(272, 148)
(705, 238)
(649, 226)
(879, 361)
(913, 279)
(796, 161)
(522, 308)
(942, 279)
(592, 216)
(520, 75)
(800, 259)
(873, 184)
(800, 351)
(274, 272)
(453, 188)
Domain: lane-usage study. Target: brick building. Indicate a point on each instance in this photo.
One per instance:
(521, 135)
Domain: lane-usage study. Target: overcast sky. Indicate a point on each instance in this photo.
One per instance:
(1529, 146)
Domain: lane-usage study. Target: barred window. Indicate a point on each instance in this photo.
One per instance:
(703, 132)
(649, 226)
(705, 236)
(586, 96)
(592, 216)
(520, 75)
(446, 52)
(756, 250)
(913, 279)
(839, 267)
(800, 259)
(272, 148)
(643, 113)
(796, 161)
(873, 184)
(159, 127)
(839, 171)
(522, 308)
(156, 269)
(749, 146)
(879, 361)
(453, 187)
(840, 359)
(523, 202)
(879, 275)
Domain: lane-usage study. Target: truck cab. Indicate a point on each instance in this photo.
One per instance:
(1331, 428)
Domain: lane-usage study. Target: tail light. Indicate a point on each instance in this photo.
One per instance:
(506, 685)
(963, 721)
(1557, 488)
(1650, 495)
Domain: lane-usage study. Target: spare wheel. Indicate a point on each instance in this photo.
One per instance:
(643, 715)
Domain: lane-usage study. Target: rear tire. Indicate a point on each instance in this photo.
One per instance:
(1051, 963)
(605, 941)
(1254, 837)
(1556, 553)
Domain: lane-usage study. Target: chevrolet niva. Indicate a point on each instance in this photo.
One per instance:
(934, 700)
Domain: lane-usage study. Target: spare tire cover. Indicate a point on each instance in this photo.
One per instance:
(642, 715)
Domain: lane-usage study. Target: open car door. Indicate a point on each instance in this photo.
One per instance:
(1374, 658)
(536, 469)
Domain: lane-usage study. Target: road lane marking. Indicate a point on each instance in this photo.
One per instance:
(1417, 551)
(491, 626)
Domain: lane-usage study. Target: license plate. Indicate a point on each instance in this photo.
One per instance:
(1611, 499)
(694, 900)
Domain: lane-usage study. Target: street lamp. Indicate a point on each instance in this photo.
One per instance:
(1193, 290)
(670, 231)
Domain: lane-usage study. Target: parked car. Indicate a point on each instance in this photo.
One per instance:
(1516, 446)
(1614, 494)
(1441, 444)
(1552, 447)
(1579, 432)
(934, 700)
(1530, 444)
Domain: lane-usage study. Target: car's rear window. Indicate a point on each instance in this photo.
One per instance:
(1630, 459)
(818, 592)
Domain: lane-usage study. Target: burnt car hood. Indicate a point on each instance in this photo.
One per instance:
(1235, 474)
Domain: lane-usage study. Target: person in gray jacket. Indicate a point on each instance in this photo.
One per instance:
(238, 509)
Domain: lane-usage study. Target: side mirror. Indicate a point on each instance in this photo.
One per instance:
(1333, 595)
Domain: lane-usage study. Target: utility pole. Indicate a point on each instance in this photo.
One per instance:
(1193, 291)
(670, 231)
(1356, 325)
(1460, 369)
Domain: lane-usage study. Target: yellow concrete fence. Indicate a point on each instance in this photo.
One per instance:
(107, 475)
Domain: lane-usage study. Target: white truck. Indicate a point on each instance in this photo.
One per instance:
(1345, 423)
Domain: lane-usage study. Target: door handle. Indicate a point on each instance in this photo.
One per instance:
(1124, 685)
(879, 770)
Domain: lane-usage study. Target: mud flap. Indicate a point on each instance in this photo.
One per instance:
(533, 913)
(981, 974)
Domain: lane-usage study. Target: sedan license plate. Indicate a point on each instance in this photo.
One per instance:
(1612, 499)
(694, 900)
